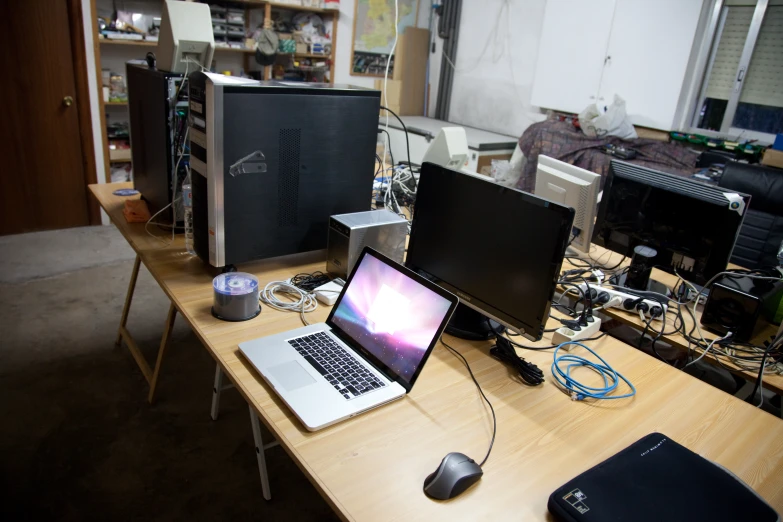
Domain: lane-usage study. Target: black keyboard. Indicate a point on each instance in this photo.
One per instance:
(332, 361)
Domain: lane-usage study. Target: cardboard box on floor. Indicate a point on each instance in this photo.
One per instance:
(773, 158)
(407, 85)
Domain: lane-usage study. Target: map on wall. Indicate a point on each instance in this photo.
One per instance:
(373, 29)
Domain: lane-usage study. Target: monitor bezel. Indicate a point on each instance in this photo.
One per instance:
(531, 331)
(365, 353)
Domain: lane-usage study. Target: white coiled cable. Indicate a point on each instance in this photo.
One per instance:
(296, 299)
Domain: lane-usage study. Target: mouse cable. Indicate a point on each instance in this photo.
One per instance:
(494, 418)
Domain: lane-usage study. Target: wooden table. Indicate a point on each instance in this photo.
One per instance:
(373, 466)
(772, 382)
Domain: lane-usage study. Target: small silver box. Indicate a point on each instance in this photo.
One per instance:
(381, 230)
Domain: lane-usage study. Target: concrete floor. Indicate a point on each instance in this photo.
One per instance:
(78, 440)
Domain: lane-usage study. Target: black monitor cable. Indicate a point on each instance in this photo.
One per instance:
(388, 140)
(407, 143)
(504, 352)
(309, 282)
(757, 387)
(539, 348)
(494, 418)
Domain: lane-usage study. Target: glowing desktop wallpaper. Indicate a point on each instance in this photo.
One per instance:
(391, 315)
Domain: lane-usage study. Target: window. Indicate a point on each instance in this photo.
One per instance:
(742, 92)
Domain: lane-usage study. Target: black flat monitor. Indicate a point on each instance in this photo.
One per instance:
(690, 225)
(499, 249)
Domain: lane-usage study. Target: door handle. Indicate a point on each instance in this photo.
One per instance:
(68, 101)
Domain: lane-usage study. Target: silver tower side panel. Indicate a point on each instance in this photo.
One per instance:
(217, 238)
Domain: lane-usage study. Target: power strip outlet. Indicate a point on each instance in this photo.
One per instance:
(625, 297)
(564, 334)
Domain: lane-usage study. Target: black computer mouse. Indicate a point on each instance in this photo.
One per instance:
(456, 473)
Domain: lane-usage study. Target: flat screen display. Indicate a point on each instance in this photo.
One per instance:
(390, 315)
(499, 249)
(690, 225)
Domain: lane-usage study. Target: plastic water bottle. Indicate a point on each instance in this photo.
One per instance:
(187, 203)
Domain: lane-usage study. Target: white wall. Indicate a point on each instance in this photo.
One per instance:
(496, 58)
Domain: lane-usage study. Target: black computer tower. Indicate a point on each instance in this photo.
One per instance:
(156, 121)
(272, 161)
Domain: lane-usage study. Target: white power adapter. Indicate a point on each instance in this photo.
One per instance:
(329, 292)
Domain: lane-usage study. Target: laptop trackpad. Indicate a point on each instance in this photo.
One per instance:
(291, 375)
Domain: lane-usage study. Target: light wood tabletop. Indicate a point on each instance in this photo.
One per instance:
(606, 257)
(372, 467)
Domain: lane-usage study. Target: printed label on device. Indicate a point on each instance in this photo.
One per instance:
(576, 498)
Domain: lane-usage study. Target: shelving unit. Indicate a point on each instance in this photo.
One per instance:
(138, 43)
(110, 47)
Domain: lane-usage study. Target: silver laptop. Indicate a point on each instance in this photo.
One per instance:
(369, 351)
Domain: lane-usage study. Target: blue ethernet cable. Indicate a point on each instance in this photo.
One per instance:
(581, 391)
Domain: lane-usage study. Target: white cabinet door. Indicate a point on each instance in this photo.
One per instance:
(647, 56)
(571, 53)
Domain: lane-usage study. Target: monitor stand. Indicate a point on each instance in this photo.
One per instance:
(466, 323)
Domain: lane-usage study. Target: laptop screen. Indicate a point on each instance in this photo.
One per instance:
(391, 315)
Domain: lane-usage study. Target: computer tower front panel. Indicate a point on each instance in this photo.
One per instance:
(280, 162)
(319, 154)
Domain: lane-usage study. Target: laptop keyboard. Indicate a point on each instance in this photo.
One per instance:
(332, 361)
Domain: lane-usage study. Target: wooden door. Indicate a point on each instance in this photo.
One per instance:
(43, 178)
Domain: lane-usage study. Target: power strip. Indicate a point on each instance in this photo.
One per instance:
(625, 300)
(565, 334)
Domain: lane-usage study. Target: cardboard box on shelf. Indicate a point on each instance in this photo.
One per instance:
(410, 70)
(773, 158)
(120, 155)
(393, 95)
(301, 48)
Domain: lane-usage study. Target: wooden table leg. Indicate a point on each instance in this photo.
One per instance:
(128, 299)
(164, 343)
